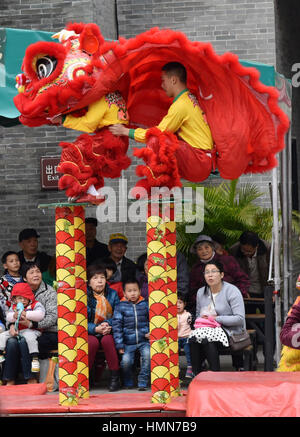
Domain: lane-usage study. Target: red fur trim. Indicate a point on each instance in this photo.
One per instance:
(76, 27)
(72, 153)
(47, 48)
(159, 155)
(73, 186)
(91, 158)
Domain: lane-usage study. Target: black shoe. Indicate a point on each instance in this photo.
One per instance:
(142, 388)
(114, 381)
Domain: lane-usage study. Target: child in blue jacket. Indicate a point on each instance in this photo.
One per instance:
(130, 325)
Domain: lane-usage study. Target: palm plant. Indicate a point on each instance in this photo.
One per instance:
(229, 210)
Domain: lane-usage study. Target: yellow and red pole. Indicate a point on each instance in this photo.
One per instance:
(162, 285)
(171, 270)
(71, 304)
(81, 302)
(66, 306)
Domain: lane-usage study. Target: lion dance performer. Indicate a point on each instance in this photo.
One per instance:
(219, 116)
(181, 146)
(90, 158)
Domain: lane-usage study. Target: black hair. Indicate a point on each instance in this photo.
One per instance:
(27, 266)
(140, 262)
(91, 220)
(218, 265)
(218, 238)
(6, 254)
(109, 264)
(95, 269)
(131, 281)
(182, 297)
(176, 69)
(249, 237)
(2, 316)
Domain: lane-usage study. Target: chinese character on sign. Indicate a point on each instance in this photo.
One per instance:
(49, 174)
(49, 169)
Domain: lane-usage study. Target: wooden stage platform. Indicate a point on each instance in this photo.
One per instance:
(209, 395)
(34, 401)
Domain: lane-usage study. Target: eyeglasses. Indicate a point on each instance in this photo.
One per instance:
(208, 272)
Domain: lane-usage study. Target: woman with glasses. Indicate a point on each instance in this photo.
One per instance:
(221, 302)
(204, 249)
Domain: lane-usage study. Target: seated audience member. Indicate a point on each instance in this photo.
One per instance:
(204, 249)
(49, 275)
(102, 301)
(142, 275)
(117, 247)
(219, 244)
(253, 256)
(290, 332)
(47, 296)
(11, 265)
(17, 350)
(290, 340)
(21, 322)
(131, 333)
(182, 274)
(28, 241)
(184, 330)
(95, 250)
(220, 302)
(2, 321)
(111, 269)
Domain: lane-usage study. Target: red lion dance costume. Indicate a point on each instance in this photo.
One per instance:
(93, 83)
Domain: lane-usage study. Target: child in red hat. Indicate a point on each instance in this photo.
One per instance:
(24, 310)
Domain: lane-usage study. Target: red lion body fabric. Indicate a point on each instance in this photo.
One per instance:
(247, 125)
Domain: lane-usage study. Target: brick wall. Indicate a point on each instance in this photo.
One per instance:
(243, 27)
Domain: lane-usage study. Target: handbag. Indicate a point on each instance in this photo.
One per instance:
(238, 342)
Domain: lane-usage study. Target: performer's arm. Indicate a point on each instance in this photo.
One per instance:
(88, 122)
(171, 122)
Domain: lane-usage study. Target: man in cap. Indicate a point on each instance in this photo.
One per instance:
(95, 250)
(126, 268)
(28, 242)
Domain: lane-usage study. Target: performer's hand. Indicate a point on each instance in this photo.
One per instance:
(121, 351)
(119, 130)
(56, 120)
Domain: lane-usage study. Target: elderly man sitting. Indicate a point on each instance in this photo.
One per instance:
(126, 268)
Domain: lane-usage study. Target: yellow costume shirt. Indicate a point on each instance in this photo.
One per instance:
(185, 118)
(110, 109)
